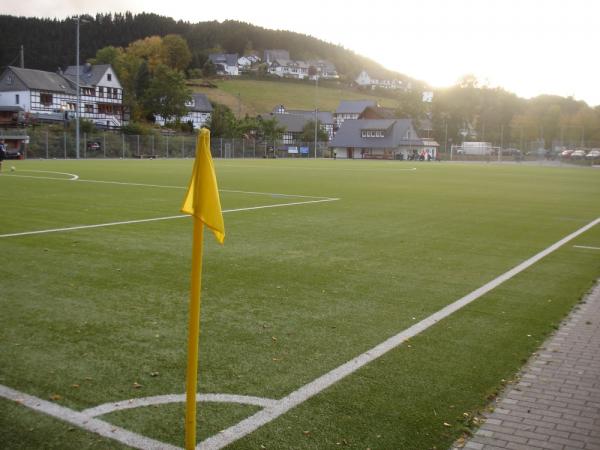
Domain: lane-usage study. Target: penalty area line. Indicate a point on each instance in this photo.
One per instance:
(318, 385)
(156, 219)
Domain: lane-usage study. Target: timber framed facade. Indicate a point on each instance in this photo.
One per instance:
(52, 97)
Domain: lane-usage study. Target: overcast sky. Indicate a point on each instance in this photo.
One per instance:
(528, 47)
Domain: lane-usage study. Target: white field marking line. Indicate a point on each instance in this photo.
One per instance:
(316, 386)
(176, 398)
(84, 421)
(156, 219)
(125, 183)
(587, 247)
(337, 169)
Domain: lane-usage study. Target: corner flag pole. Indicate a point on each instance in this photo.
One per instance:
(191, 383)
(203, 204)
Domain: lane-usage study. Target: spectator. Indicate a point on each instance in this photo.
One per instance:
(2, 153)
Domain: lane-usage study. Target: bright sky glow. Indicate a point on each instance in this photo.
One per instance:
(528, 47)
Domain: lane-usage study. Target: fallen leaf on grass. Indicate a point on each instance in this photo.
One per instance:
(136, 385)
(446, 424)
(75, 386)
(306, 433)
(154, 374)
(55, 397)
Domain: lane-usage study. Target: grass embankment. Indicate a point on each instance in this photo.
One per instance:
(254, 97)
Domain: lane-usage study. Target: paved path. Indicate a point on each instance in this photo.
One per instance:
(556, 403)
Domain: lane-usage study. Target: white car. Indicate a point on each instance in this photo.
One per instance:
(578, 154)
(593, 154)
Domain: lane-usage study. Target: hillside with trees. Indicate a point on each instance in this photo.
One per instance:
(50, 43)
(153, 56)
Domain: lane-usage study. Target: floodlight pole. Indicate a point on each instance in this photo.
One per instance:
(78, 97)
(316, 108)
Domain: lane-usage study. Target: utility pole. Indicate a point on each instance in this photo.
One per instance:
(501, 142)
(22, 57)
(316, 107)
(78, 96)
(446, 138)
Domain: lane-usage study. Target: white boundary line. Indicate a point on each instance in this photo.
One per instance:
(274, 408)
(316, 386)
(587, 247)
(156, 219)
(84, 421)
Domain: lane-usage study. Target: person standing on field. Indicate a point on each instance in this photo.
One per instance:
(2, 154)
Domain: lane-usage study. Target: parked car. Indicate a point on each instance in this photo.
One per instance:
(94, 145)
(578, 154)
(593, 154)
(566, 153)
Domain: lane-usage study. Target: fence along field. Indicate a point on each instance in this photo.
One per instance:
(295, 292)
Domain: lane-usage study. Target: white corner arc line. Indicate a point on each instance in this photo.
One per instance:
(586, 247)
(84, 421)
(72, 175)
(107, 408)
(316, 386)
(156, 219)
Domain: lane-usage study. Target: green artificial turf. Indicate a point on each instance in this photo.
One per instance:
(296, 291)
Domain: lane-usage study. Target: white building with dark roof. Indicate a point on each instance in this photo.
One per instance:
(325, 119)
(381, 139)
(225, 63)
(199, 112)
(351, 110)
(52, 97)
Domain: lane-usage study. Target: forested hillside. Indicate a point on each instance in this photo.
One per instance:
(50, 43)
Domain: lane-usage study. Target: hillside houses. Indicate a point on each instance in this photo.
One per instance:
(365, 81)
(225, 63)
(278, 63)
(361, 129)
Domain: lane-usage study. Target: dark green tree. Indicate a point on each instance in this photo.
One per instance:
(308, 132)
(222, 122)
(167, 94)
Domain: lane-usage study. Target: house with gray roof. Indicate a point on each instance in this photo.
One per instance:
(286, 68)
(351, 110)
(325, 118)
(381, 139)
(225, 63)
(52, 97)
(199, 112)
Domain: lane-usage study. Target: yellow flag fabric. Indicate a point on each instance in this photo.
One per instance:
(202, 198)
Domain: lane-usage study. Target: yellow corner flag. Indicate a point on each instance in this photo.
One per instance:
(202, 202)
(202, 198)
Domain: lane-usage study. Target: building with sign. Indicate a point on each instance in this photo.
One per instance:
(381, 139)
